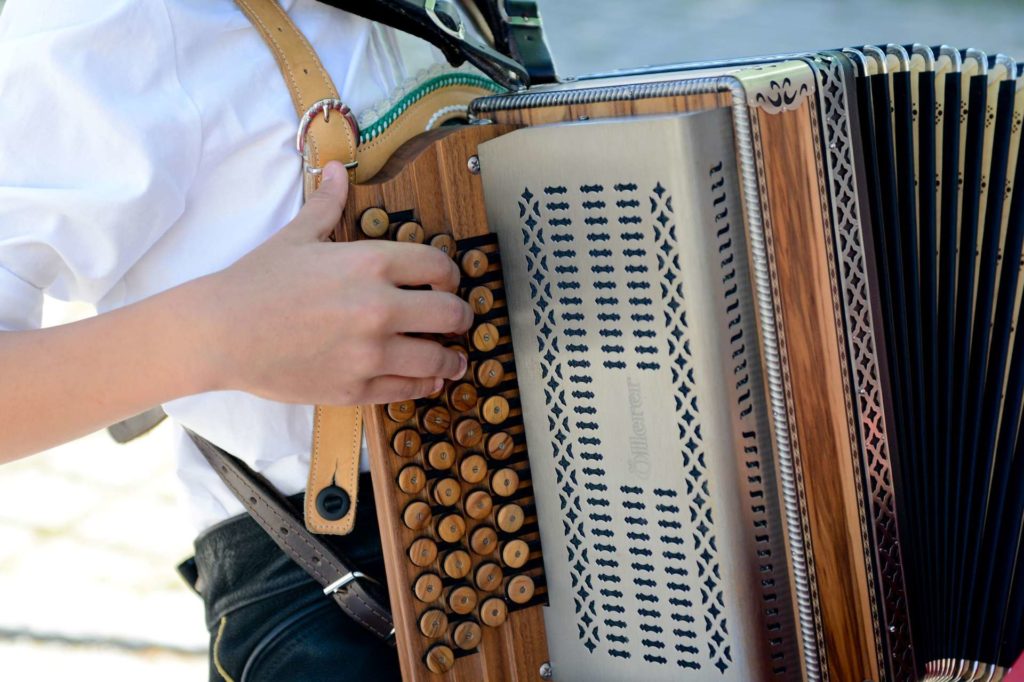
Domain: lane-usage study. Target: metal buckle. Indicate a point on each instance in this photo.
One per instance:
(344, 580)
(459, 30)
(324, 106)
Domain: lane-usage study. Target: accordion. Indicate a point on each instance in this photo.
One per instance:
(745, 384)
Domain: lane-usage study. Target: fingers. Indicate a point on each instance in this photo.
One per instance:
(418, 265)
(430, 312)
(322, 210)
(390, 389)
(408, 356)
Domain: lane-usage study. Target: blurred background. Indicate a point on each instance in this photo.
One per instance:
(90, 532)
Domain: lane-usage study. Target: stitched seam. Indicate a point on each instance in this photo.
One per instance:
(354, 452)
(216, 650)
(313, 485)
(279, 53)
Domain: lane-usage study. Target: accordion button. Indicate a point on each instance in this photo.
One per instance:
(488, 576)
(520, 589)
(457, 564)
(445, 243)
(481, 300)
(441, 455)
(485, 337)
(416, 515)
(436, 420)
(406, 443)
(374, 222)
(462, 600)
(467, 635)
(504, 482)
(447, 492)
(451, 528)
(489, 373)
(468, 433)
(433, 623)
(473, 468)
(411, 479)
(423, 552)
(515, 553)
(474, 263)
(410, 232)
(427, 587)
(495, 410)
(483, 540)
(500, 445)
(402, 411)
(463, 397)
(511, 517)
(439, 659)
(494, 612)
(478, 505)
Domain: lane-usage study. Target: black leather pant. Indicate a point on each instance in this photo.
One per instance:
(269, 621)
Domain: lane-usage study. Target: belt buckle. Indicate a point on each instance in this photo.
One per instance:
(325, 107)
(344, 581)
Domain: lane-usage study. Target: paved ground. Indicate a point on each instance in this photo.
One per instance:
(90, 532)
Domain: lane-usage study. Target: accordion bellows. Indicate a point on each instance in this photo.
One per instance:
(745, 387)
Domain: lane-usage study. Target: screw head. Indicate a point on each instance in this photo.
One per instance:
(546, 673)
(474, 164)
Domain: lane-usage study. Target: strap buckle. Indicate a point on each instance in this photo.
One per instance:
(324, 106)
(344, 581)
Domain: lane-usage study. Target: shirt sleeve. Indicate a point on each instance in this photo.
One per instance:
(99, 144)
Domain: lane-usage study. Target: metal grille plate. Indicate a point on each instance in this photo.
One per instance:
(636, 349)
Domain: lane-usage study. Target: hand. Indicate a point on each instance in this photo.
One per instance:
(302, 320)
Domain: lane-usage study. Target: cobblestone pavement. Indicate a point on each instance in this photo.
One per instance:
(90, 532)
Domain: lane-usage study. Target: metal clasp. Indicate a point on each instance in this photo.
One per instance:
(344, 580)
(324, 106)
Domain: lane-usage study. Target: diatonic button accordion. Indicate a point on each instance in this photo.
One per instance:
(745, 384)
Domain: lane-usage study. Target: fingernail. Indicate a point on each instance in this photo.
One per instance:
(331, 171)
(463, 365)
(438, 384)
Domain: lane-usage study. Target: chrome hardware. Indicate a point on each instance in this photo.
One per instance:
(474, 164)
(324, 107)
(344, 580)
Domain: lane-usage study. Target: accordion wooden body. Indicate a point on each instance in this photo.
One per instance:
(745, 385)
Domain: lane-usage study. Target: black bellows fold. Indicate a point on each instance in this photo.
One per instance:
(945, 170)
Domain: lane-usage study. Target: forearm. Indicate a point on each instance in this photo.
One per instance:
(63, 382)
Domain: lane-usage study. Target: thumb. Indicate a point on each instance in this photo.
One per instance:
(323, 208)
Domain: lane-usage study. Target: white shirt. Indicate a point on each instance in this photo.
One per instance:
(144, 143)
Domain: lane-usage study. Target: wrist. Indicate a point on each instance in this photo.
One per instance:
(193, 320)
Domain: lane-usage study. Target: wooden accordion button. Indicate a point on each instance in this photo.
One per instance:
(488, 576)
(411, 479)
(427, 587)
(469, 433)
(410, 232)
(441, 455)
(462, 599)
(485, 337)
(463, 397)
(520, 589)
(467, 635)
(505, 482)
(480, 299)
(436, 420)
(451, 528)
(474, 263)
(447, 492)
(433, 623)
(494, 612)
(489, 373)
(495, 410)
(439, 659)
(406, 443)
(515, 553)
(422, 552)
(445, 243)
(511, 517)
(473, 468)
(374, 222)
(402, 411)
(500, 446)
(483, 540)
(478, 505)
(416, 515)
(457, 564)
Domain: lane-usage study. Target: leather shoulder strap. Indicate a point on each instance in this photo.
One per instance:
(333, 485)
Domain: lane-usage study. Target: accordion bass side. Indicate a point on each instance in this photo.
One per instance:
(744, 390)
